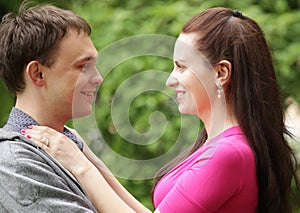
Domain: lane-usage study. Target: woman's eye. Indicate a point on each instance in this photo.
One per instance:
(179, 67)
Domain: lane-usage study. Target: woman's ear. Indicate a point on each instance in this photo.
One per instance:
(34, 71)
(223, 72)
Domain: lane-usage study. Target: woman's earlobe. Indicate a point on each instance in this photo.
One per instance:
(223, 71)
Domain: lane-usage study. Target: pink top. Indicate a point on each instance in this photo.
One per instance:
(219, 177)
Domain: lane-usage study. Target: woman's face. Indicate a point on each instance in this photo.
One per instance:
(192, 77)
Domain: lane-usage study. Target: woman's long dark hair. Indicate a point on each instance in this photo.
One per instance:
(254, 97)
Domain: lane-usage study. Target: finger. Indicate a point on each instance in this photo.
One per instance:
(44, 129)
(39, 129)
(45, 141)
(40, 139)
(47, 133)
(43, 134)
(40, 144)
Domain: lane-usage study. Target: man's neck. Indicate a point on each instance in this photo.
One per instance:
(41, 114)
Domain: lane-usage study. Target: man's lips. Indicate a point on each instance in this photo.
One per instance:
(88, 93)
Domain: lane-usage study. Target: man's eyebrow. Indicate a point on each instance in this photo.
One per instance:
(87, 58)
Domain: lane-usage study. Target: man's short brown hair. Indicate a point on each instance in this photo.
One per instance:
(33, 34)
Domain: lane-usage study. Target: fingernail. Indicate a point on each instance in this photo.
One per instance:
(28, 136)
(30, 127)
(23, 131)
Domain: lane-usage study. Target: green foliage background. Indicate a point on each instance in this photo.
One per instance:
(112, 20)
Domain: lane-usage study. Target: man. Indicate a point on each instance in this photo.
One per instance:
(49, 62)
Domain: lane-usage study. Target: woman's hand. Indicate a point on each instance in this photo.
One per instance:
(60, 147)
(104, 190)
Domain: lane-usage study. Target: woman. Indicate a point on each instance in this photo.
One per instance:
(223, 72)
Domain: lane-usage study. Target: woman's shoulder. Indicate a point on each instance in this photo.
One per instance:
(230, 141)
(234, 154)
(231, 149)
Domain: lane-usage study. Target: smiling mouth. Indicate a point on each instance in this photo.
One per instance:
(180, 94)
(88, 93)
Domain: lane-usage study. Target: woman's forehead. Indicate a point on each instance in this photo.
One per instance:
(185, 50)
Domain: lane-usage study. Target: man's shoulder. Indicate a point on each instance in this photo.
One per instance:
(17, 150)
(7, 135)
(14, 146)
(30, 177)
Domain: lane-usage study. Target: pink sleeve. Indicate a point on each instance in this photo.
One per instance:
(208, 184)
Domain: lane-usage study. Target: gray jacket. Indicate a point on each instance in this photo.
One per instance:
(33, 181)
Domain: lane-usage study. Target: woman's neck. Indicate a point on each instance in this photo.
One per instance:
(218, 120)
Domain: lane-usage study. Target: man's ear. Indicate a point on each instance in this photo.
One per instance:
(35, 72)
(223, 72)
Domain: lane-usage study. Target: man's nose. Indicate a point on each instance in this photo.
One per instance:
(97, 79)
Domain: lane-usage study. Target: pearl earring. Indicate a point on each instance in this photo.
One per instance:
(220, 89)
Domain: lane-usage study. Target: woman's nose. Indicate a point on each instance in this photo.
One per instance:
(172, 81)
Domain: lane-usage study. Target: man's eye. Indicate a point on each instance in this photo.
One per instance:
(85, 67)
(81, 66)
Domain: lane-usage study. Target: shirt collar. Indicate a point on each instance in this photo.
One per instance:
(18, 120)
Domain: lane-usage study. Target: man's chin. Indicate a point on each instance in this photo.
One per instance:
(81, 113)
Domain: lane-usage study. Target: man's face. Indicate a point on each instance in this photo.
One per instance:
(72, 80)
